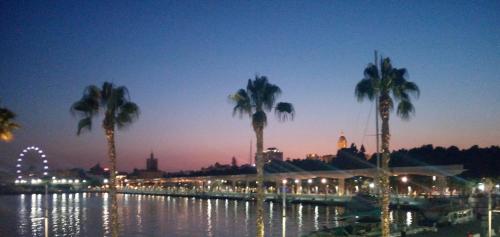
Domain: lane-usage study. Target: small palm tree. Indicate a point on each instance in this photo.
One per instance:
(388, 86)
(119, 111)
(260, 96)
(7, 125)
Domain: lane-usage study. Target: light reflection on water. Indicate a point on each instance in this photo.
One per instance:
(87, 214)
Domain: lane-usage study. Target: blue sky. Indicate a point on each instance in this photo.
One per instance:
(181, 59)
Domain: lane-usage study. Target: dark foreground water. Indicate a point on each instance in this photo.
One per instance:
(86, 214)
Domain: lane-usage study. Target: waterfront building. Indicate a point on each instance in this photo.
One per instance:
(341, 144)
(312, 156)
(151, 170)
(327, 158)
(273, 153)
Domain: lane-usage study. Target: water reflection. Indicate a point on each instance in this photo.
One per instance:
(283, 226)
(316, 218)
(409, 218)
(139, 215)
(299, 217)
(209, 218)
(36, 215)
(105, 214)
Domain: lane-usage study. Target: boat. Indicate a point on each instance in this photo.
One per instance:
(445, 215)
(459, 216)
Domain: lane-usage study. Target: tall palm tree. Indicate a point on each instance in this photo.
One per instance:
(388, 85)
(7, 125)
(260, 96)
(114, 102)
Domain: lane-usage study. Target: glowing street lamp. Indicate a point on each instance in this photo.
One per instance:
(324, 181)
(481, 187)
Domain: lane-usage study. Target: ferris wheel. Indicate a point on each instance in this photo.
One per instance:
(31, 166)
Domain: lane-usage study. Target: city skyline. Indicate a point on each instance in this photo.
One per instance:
(180, 61)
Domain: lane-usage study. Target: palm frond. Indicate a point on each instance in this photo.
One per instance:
(127, 113)
(386, 67)
(284, 111)
(405, 109)
(85, 107)
(7, 125)
(260, 96)
(6, 114)
(242, 103)
(365, 89)
(106, 92)
(270, 94)
(93, 92)
(115, 101)
(412, 88)
(371, 72)
(84, 124)
(119, 96)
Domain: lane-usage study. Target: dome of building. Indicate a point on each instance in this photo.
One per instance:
(342, 142)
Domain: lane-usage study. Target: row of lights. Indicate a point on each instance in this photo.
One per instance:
(54, 181)
(309, 181)
(67, 181)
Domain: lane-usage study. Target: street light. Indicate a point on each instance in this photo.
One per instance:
(296, 186)
(323, 181)
(309, 182)
(480, 186)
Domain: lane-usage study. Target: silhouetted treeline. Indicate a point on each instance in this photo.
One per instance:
(479, 162)
(216, 169)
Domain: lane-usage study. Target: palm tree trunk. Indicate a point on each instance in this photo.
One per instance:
(110, 137)
(259, 160)
(384, 179)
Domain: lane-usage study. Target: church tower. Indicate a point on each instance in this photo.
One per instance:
(152, 163)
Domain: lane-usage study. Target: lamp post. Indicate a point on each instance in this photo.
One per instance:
(404, 179)
(297, 186)
(309, 182)
(323, 181)
(489, 188)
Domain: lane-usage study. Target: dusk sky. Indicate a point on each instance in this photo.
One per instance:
(181, 59)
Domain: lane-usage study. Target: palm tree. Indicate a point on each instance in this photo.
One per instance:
(388, 86)
(118, 112)
(7, 125)
(260, 96)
